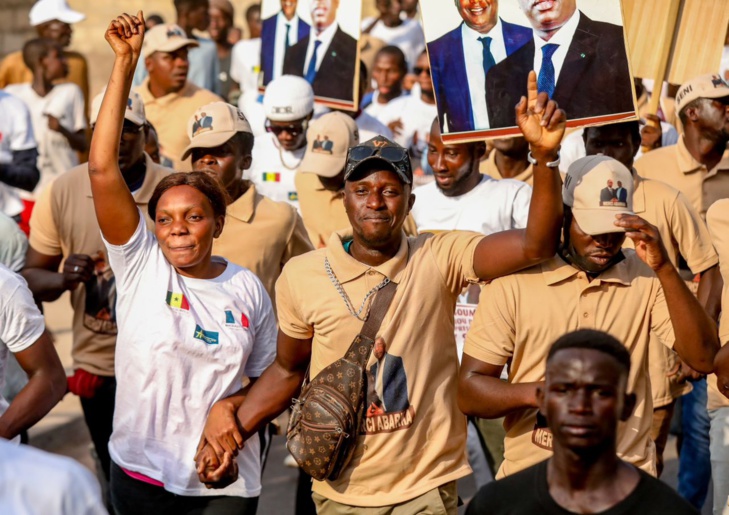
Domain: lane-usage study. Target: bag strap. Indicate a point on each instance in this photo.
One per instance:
(380, 305)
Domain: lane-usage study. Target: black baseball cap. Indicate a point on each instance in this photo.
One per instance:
(390, 154)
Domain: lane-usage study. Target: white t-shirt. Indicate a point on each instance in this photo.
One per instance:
(416, 117)
(245, 64)
(408, 37)
(490, 207)
(273, 169)
(375, 108)
(55, 155)
(16, 133)
(21, 322)
(183, 344)
(33, 482)
(369, 127)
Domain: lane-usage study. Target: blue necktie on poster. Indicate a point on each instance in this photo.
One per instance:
(488, 57)
(286, 41)
(311, 70)
(546, 80)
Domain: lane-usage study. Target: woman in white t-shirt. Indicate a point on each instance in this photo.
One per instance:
(191, 325)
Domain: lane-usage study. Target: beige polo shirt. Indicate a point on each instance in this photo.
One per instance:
(261, 235)
(323, 210)
(675, 166)
(169, 115)
(488, 167)
(415, 434)
(521, 315)
(64, 223)
(683, 233)
(717, 219)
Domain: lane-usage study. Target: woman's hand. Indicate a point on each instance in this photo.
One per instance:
(221, 431)
(126, 34)
(214, 473)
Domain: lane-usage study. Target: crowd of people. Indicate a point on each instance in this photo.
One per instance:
(238, 257)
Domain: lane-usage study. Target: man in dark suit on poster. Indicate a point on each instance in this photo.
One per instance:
(461, 58)
(581, 64)
(280, 32)
(327, 57)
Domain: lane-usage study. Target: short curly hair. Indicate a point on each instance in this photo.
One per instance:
(201, 181)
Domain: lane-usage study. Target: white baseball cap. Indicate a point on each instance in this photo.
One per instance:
(288, 98)
(47, 10)
(214, 124)
(328, 140)
(134, 111)
(591, 190)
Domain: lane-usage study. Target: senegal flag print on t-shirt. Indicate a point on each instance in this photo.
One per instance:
(177, 300)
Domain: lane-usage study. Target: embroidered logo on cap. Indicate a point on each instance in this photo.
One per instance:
(614, 195)
(175, 31)
(322, 145)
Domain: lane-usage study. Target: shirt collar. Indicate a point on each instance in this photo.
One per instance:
(564, 34)
(473, 35)
(244, 206)
(493, 171)
(557, 270)
(326, 36)
(346, 268)
(147, 98)
(688, 164)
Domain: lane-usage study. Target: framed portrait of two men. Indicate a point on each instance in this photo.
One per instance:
(481, 53)
(316, 40)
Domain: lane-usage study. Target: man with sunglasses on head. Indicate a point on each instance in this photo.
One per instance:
(289, 106)
(64, 230)
(409, 117)
(412, 443)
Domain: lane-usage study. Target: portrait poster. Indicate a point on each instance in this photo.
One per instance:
(481, 54)
(316, 40)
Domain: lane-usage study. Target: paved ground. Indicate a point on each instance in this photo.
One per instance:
(64, 432)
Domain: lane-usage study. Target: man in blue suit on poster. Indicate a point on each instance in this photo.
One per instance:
(279, 32)
(460, 59)
(390, 389)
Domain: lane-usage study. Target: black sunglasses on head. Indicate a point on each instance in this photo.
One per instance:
(361, 152)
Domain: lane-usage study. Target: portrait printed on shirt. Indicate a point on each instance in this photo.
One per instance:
(100, 305)
(387, 405)
(316, 40)
(481, 54)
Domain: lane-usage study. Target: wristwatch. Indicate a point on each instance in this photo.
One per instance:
(550, 164)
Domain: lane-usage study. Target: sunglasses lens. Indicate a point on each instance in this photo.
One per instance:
(360, 153)
(393, 153)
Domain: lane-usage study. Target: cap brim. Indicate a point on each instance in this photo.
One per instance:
(599, 221)
(208, 140)
(172, 46)
(353, 172)
(322, 165)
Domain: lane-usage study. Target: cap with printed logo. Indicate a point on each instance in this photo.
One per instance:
(165, 37)
(328, 140)
(134, 111)
(597, 188)
(47, 10)
(214, 124)
(288, 98)
(380, 149)
(703, 86)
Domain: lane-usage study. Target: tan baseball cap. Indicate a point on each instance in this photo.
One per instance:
(703, 86)
(327, 141)
(214, 124)
(134, 111)
(165, 37)
(597, 188)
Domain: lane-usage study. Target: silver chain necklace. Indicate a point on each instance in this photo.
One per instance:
(345, 297)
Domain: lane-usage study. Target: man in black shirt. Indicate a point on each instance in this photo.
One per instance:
(583, 399)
